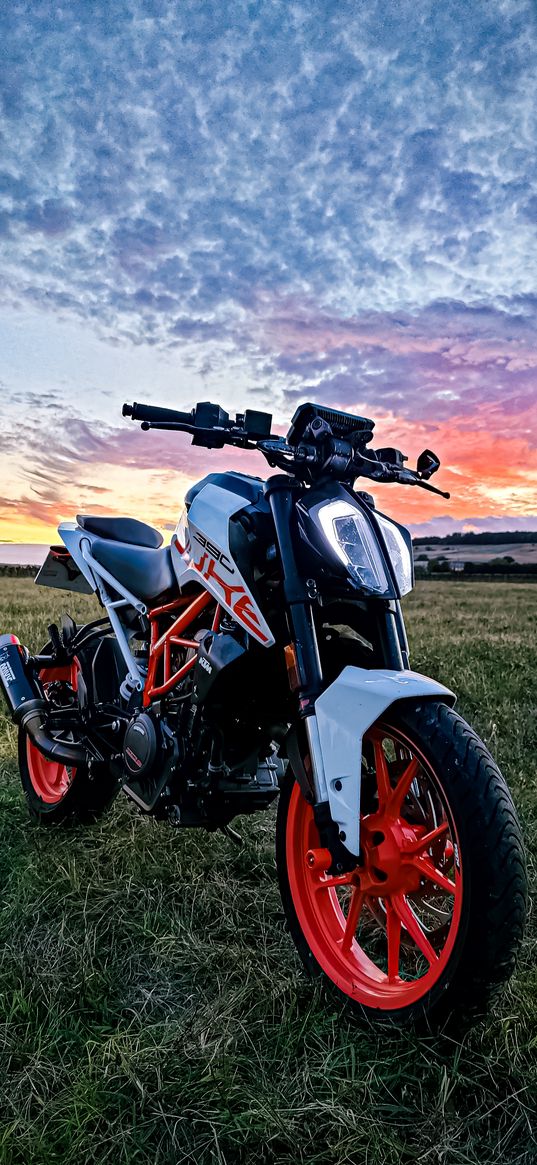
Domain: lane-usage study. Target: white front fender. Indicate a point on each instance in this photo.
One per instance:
(343, 713)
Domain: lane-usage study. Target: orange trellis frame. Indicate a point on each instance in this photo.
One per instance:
(161, 642)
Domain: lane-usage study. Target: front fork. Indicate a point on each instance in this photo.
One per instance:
(280, 492)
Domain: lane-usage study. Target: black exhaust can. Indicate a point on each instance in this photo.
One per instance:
(28, 706)
(18, 684)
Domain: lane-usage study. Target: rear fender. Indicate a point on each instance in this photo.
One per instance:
(68, 570)
(344, 712)
(60, 570)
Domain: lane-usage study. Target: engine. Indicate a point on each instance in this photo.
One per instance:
(150, 754)
(142, 746)
(207, 757)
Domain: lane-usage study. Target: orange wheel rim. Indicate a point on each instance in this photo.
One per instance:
(51, 779)
(384, 932)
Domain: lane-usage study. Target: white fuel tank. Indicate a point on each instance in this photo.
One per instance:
(201, 552)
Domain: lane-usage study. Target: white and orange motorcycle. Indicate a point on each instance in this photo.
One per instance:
(263, 655)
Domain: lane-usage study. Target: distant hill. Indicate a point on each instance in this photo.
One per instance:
(506, 554)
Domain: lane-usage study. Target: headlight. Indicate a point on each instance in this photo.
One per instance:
(351, 537)
(399, 552)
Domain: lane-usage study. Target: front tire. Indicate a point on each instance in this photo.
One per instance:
(430, 921)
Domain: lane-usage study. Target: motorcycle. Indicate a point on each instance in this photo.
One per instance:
(262, 655)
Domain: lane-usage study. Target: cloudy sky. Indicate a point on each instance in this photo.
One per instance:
(258, 204)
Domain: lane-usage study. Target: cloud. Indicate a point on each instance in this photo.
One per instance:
(338, 201)
(166, 163)
(68, 465)
(475, 365)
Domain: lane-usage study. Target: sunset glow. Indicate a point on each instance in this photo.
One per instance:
(261, 206)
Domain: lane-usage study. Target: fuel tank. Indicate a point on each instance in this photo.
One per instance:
(221, 541)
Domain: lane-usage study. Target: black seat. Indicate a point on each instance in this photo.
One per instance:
(145, 572)
(121, 529)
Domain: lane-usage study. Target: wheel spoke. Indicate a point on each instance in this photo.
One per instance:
(428, 838)
(403, 785)
(431, 872)
(353, 916)
(393, 940)
(333, 880)
(412, 925)
(383, 777)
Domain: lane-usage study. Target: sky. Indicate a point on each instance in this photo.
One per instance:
(261, 204)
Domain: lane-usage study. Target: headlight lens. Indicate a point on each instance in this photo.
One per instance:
(351, 537)
(400, 554)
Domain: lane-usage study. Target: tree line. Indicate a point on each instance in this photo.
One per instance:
(492, 539)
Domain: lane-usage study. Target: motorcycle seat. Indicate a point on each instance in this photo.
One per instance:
(128, 530)
(146, 572)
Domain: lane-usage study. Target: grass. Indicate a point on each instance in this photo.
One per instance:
(152, 1006)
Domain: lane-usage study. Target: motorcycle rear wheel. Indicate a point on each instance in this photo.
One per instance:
(55, 792)
(430, 921)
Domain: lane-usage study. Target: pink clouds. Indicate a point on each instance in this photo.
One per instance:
(459, 380)
(293, 326)
(484, 467)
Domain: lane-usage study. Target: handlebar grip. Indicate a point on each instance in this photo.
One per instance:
(141, 412)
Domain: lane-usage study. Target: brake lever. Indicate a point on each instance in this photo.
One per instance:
(216, 438)
(410, 477)
(433, 490)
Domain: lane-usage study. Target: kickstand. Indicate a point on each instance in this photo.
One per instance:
(232, 834)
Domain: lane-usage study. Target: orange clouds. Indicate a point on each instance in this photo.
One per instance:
(487, 472)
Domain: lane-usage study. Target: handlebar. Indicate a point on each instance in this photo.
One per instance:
(141, 412)
(326, 456)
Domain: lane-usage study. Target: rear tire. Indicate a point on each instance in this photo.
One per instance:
(54, 792)
(403, 946)
(80, 797)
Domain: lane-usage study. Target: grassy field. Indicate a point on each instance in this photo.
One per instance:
(152, 1006)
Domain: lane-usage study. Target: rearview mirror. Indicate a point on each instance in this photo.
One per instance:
(427, 463)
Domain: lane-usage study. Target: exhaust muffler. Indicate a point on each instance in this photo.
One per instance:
(28, 706)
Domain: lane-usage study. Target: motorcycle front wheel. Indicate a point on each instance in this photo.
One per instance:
(429, 922)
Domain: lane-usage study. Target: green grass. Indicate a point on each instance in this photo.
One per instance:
(152, 1005)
